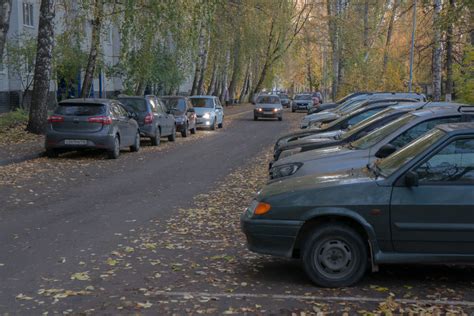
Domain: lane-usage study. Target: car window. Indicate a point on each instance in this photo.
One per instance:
(454, 163)
(134, 104)
(268, 99)
(153, 105)
(74, 109)
(419, 129)
(362, 116)
(115, 111)
(218, 103)
(202, 102)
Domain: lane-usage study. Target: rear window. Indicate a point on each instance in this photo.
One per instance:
(134, 104)
(177, 104)
(75, 109)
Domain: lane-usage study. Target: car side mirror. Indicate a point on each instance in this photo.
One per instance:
(385, 151)
(411, 179)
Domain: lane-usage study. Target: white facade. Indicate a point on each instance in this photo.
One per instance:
(24, 21)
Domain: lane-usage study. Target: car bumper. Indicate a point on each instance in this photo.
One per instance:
(301, 107)
(180, 126)
(202, 122)
(59, 141)
(267, 114)
(272, 237)
(147, 130)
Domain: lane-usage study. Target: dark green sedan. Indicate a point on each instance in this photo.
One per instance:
(416, 206)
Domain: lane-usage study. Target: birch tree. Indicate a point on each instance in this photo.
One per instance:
(5, 12)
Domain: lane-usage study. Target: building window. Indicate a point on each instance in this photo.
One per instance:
(27, 14)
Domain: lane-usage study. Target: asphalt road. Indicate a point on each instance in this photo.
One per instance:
(84, 206)
(157, 232)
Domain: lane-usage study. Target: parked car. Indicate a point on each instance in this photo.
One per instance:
(380, 143)
(285, 100)
(182, 110)
(268, 106)
(152, 117)
(356, 102)
(331, 105)
(208, 110)
(415, 206)
(302, 102)
(91, 123)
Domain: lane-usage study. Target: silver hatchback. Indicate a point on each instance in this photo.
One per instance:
(91, 123)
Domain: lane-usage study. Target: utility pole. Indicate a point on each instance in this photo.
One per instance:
(412, 48)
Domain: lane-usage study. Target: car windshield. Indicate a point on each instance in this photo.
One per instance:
(75, 109)
(303, 97)
(202, 102)
(367, 122)
(178, 105)
(379, 134)
(133, 104)
(344, 99)
(268, 100)
(283, 96)
(347, 103)
(392, 163)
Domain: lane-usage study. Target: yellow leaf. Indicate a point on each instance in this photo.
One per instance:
(81, 276)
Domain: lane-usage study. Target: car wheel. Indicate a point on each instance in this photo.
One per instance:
(280, 118)
(136, 145)
(255, 118)
(213, 126)
(184, 132)
(172, 137)
(193, 130)
(115, 152)
(221, 125)
(334, 255)
(52, 153)
(293, 110)
(155, 140)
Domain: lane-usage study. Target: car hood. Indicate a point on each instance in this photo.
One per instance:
(330, 134)
(321, 116)
(310, 182)
(334, 151)
(201, 111)
(306, 142)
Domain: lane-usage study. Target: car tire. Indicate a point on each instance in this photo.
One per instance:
(293, 110)
(193, 130)
(136, 145)
(334, 255)
(184, 132)
(213, 126)
(255, 118)
(221, 125)
(172, 137)
(52, 153)
(280, 118)
(155, 140)
(115, 152)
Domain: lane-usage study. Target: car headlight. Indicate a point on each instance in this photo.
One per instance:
(259, 109)
(285, 170)
(207, 115)
(289, 152)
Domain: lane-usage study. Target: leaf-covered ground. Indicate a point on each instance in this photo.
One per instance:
(196, 262)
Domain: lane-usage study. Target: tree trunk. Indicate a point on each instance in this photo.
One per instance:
(366, 25)
(224, 94)
(94, 49)
(210, 89)
(42, 76)
(235, 68)
(437, 51)
(197, 73)
(245, 87)
(389, 37)
(204, 58)
(449, 54)
(5, 12)
(334, 39)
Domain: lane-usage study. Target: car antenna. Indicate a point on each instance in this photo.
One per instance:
(422, 106)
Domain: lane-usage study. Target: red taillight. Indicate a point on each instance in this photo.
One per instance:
(149, 118)
(104, 120)
(55, 119)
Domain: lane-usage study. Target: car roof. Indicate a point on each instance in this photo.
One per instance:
(173, 96)
(444, 110)
(272, 95)
(203, 96)
(457, 128)
(87, 101)
(135, 96)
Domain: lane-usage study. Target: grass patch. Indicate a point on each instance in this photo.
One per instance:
(13, 119)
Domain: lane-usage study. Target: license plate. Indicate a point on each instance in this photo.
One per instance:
(75, 142)
(268, 112)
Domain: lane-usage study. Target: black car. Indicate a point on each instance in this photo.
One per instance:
(415, 206)
(183, 112)
(152, 117)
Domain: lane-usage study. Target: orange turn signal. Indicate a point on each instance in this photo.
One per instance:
(262, 208)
